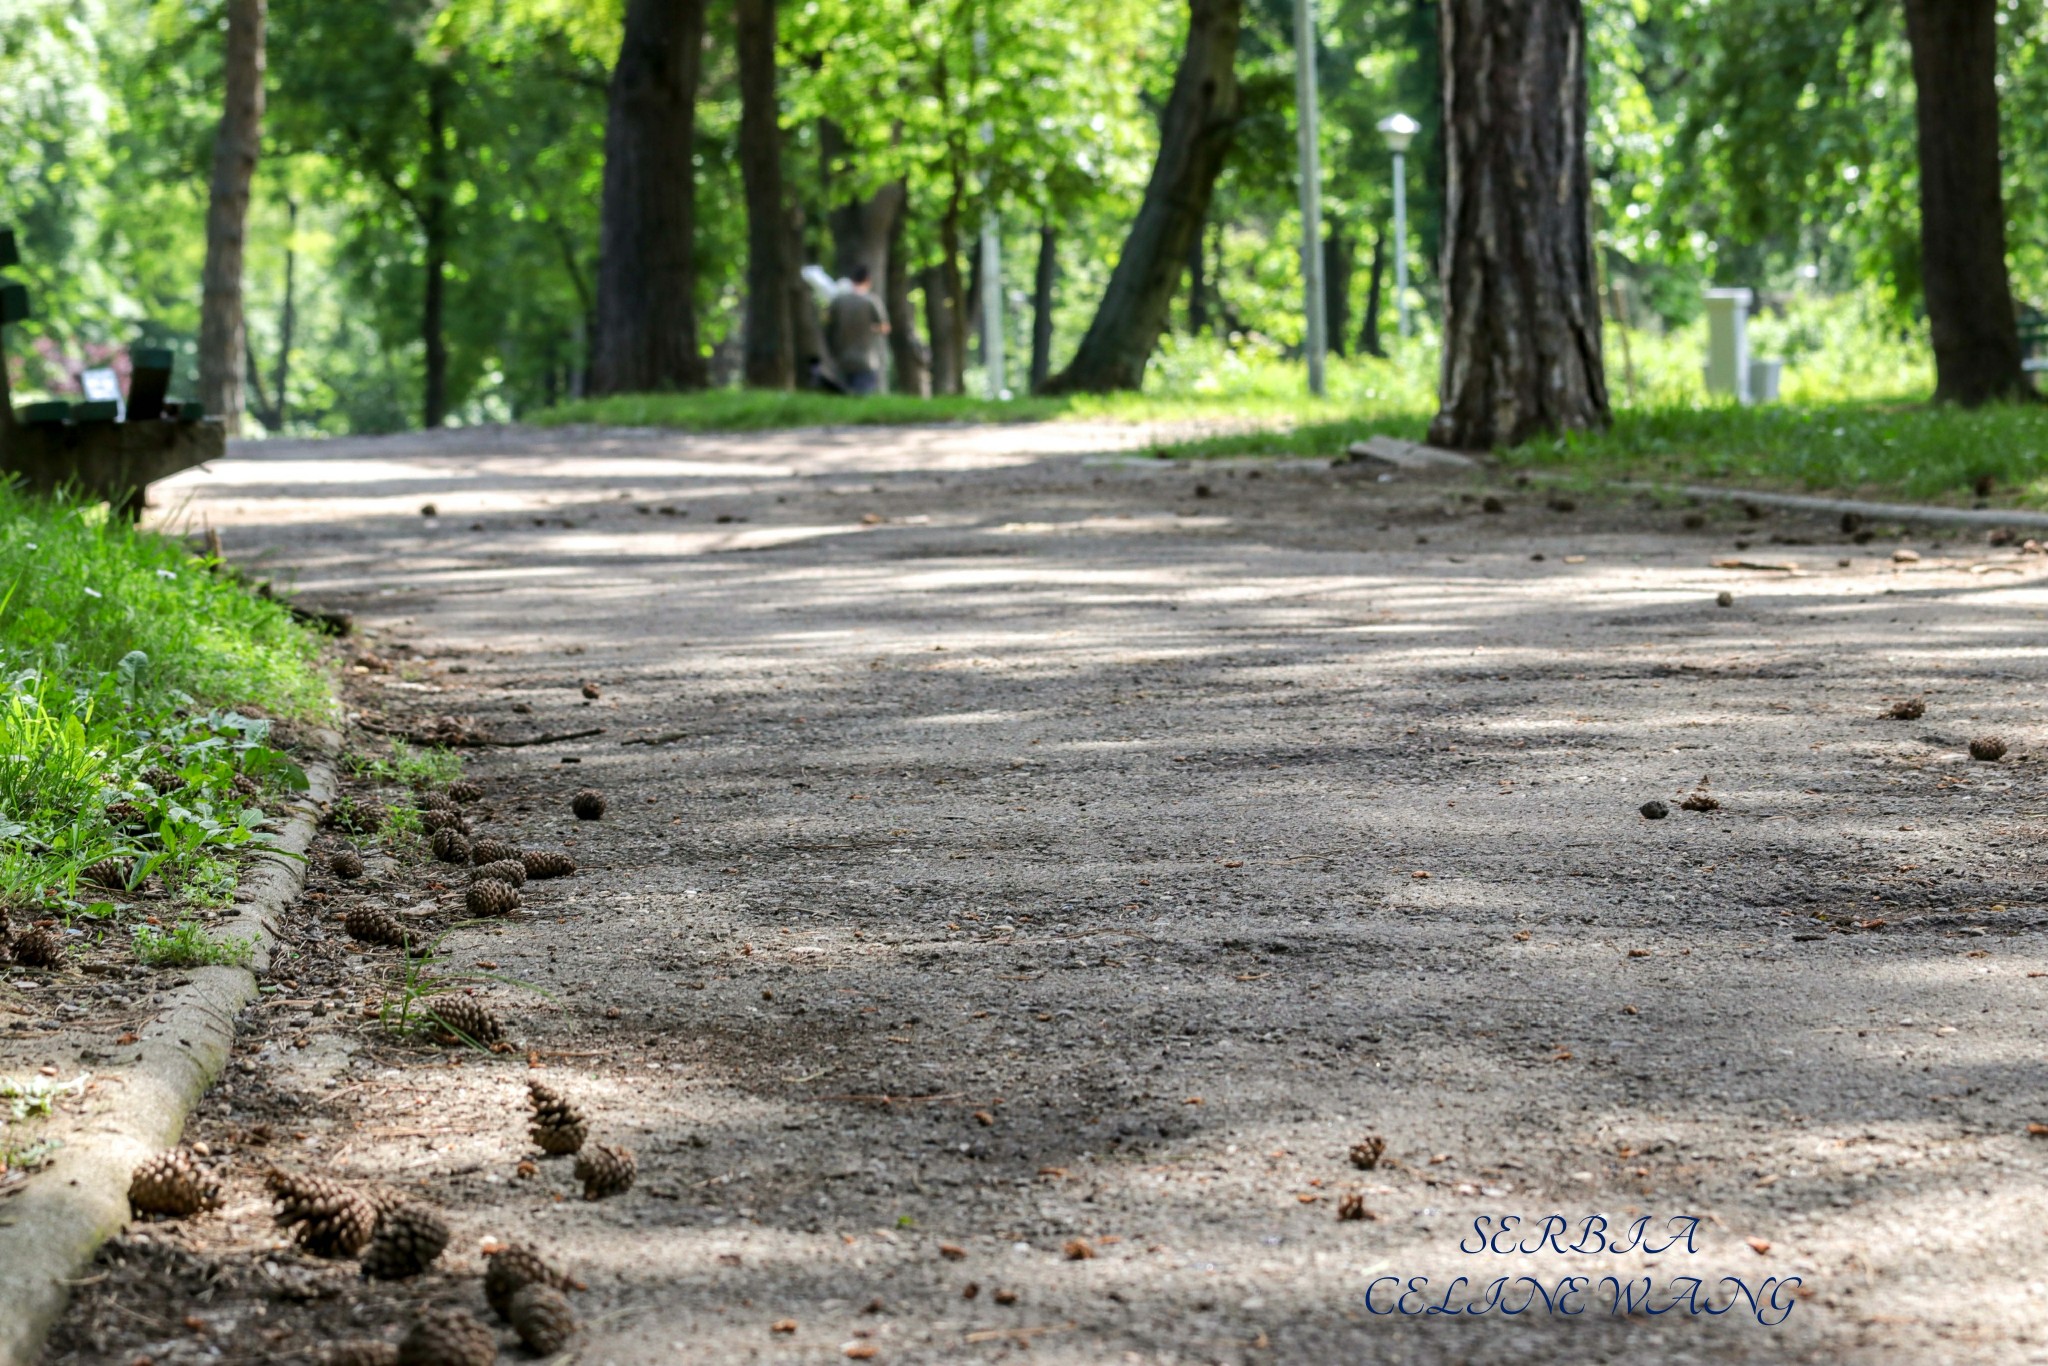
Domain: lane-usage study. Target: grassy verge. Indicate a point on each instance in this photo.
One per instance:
(1900, 448)
(135, 754)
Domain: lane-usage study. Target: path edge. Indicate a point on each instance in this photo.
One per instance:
(49, 1233)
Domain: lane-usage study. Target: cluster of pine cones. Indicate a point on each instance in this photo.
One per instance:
(559, 1130)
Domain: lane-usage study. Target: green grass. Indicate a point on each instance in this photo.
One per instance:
(189, 946)
(1901, 449)
(122, 661)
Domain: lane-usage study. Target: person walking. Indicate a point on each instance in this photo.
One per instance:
(854, 327)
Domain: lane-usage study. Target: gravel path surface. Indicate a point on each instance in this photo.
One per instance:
(1027, 875)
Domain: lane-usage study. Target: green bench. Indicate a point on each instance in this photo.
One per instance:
(87, 447)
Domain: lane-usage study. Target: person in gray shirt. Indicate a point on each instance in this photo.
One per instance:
(854, 327)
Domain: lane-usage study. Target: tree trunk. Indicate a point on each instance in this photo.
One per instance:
(769, 361)
(911, 361)
(1977, 354)
(1041, 304)
(1521, 303)
(434, 231)
(943, 324)
(646, 336)
(1369, 333)
(222, 340)
(1201, 116)
(807, 329)
(1198, 285)
(1337, 263)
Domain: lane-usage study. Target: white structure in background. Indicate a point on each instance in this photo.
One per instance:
(1316, 336)
(1730, 368)
(991, 259)
(1399, 130)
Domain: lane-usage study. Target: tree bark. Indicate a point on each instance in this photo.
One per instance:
(1195, 133)
(434, 234)
(646, 335)
(911, 361)
(1977, 355)
(1198, 285)
(943, 322)
(1521, 348)
(769, 361)
(1369, 333)
(1042, 285)
(236, 145)
(1337, 264)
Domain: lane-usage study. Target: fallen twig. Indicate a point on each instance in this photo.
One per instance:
(547, 739)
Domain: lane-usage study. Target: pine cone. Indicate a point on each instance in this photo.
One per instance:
(346, 864)
(451, 846)
(1367, 1152)
(588, 804)
(488, 896)
(109, 873)
(41, 947)
(361, 1352)
(433, 801)
(547, 863)
(510, 871)
(358, 818)
(125, 815)
(558, 1127)
(161, 780)
(464, 1019)
(245, 785)
(434, 820)
(1352, 1206)
(375, 925)
(1912, 709)
(605, 1170)
(511, 1269)
(441, 1336)
(171, 1183)
(327, 1218)
(6, 931)
(1987, 749)
(493, 851)
(542, 1317)
(466, 790)
(409, 1237)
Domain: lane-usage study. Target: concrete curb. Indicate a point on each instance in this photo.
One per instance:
(49, 1232)
(1890, 512)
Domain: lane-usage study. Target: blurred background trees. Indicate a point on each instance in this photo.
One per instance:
(424, 234)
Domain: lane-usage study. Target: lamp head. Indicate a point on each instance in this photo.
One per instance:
(1399, 130)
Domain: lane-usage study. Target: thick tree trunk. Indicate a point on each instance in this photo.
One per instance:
(1042, 284)
(222, 339)
(434, 234)
(1977, 354)
(646, 336)
(1521, 303)
(943, 322)
(1369, 332)
(769, 361)
(1337, 264)
(1198, 285)
(1201, 116)
(911, 362)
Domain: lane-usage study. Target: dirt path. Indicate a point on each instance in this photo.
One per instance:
(1012, 854)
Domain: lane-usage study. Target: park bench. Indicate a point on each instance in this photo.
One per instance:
(94, 448)
(2033, 339)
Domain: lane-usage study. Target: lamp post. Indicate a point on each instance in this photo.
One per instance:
(1315, 342)
(1399, 130)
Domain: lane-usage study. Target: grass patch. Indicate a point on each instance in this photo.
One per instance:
(187, 945)
(1897, 448)
(122, 661)
(410, 767)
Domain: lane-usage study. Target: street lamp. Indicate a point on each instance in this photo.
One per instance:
(1399, 130)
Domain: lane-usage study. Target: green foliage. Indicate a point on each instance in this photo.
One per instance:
(116, 650)
(188, 945)
(413, 767)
